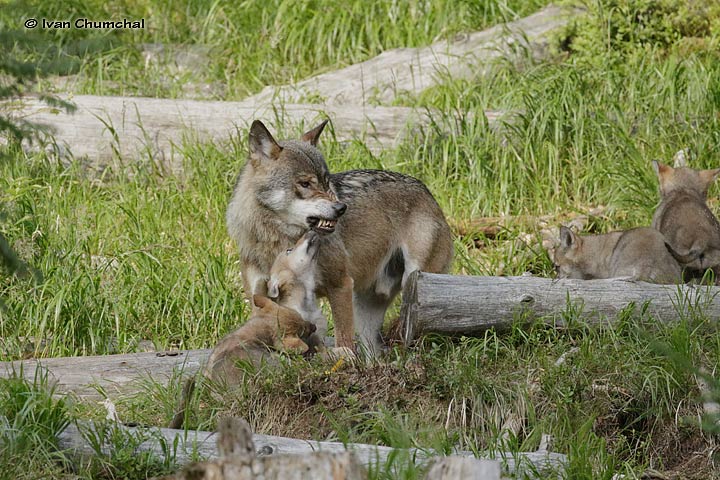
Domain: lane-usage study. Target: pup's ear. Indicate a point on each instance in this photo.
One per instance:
(709, 176)
(273, 288)
(312, 136)
(568, 239)
(661, 170)
(262, 144)
(680, 158)
(293, 344)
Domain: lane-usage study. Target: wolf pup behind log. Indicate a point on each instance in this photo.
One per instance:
(639, 254)
(271, 328)
(683, 217)
(392, 226)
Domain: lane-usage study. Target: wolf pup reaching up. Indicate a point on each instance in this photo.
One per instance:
(292, 285)
(292, 280)
(392, 226)
(639, 254)
(270, 328)
(683, 217)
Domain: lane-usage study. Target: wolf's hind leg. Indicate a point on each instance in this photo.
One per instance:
(369, 316)
(431, 249)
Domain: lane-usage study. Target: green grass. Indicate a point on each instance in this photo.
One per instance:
(142, 254)
(246, 45)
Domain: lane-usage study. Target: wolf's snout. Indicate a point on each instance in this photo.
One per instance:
(339, 208)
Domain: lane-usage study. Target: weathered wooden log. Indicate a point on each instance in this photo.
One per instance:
(239, 461)
(105, 129)
(192, 443)
(411, 70)
(112, 374)
(117, 374)
(489, 227)
(315, 465)
(468, 305)
(454, 467)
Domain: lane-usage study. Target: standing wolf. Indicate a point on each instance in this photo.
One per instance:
(392, 226)
(683, 217)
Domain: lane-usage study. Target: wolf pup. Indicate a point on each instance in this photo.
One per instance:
(392, 226)
(639, 254)
(270, 328)
(293, 279)
(683, 217)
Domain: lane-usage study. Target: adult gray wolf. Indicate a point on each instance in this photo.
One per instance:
(683, 217)
(639, 254)
(377, 227)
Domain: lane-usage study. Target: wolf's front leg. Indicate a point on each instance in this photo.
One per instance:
(341, 304)
(254, 283)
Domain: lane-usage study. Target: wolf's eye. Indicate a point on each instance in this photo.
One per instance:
(287, 252)
(305, 184)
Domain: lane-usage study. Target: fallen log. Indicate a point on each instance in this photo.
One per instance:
(108, 129)
(468, 305)
(316, 465)
(191, 444)
(384, 78)
(107, 376)
(239, 461)
(114, 375)
(490, 227)
(454, 467)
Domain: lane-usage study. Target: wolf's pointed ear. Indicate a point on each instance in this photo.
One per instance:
(312, 136)
(567, 238)
(262, 144)
(273, 289)
(661, 169)
(709, 176)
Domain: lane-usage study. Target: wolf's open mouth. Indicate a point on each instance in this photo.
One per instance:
(322, 225)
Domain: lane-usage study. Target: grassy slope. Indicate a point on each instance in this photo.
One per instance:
(146, 256)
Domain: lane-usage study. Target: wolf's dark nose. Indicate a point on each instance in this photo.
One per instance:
(339, 208)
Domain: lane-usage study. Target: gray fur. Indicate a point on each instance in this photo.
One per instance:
(683, 217)
(638, 254)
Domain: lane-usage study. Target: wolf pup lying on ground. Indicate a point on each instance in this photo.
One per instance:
(639, 254)
(271, 328)
(392, 226)
(683, 217)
